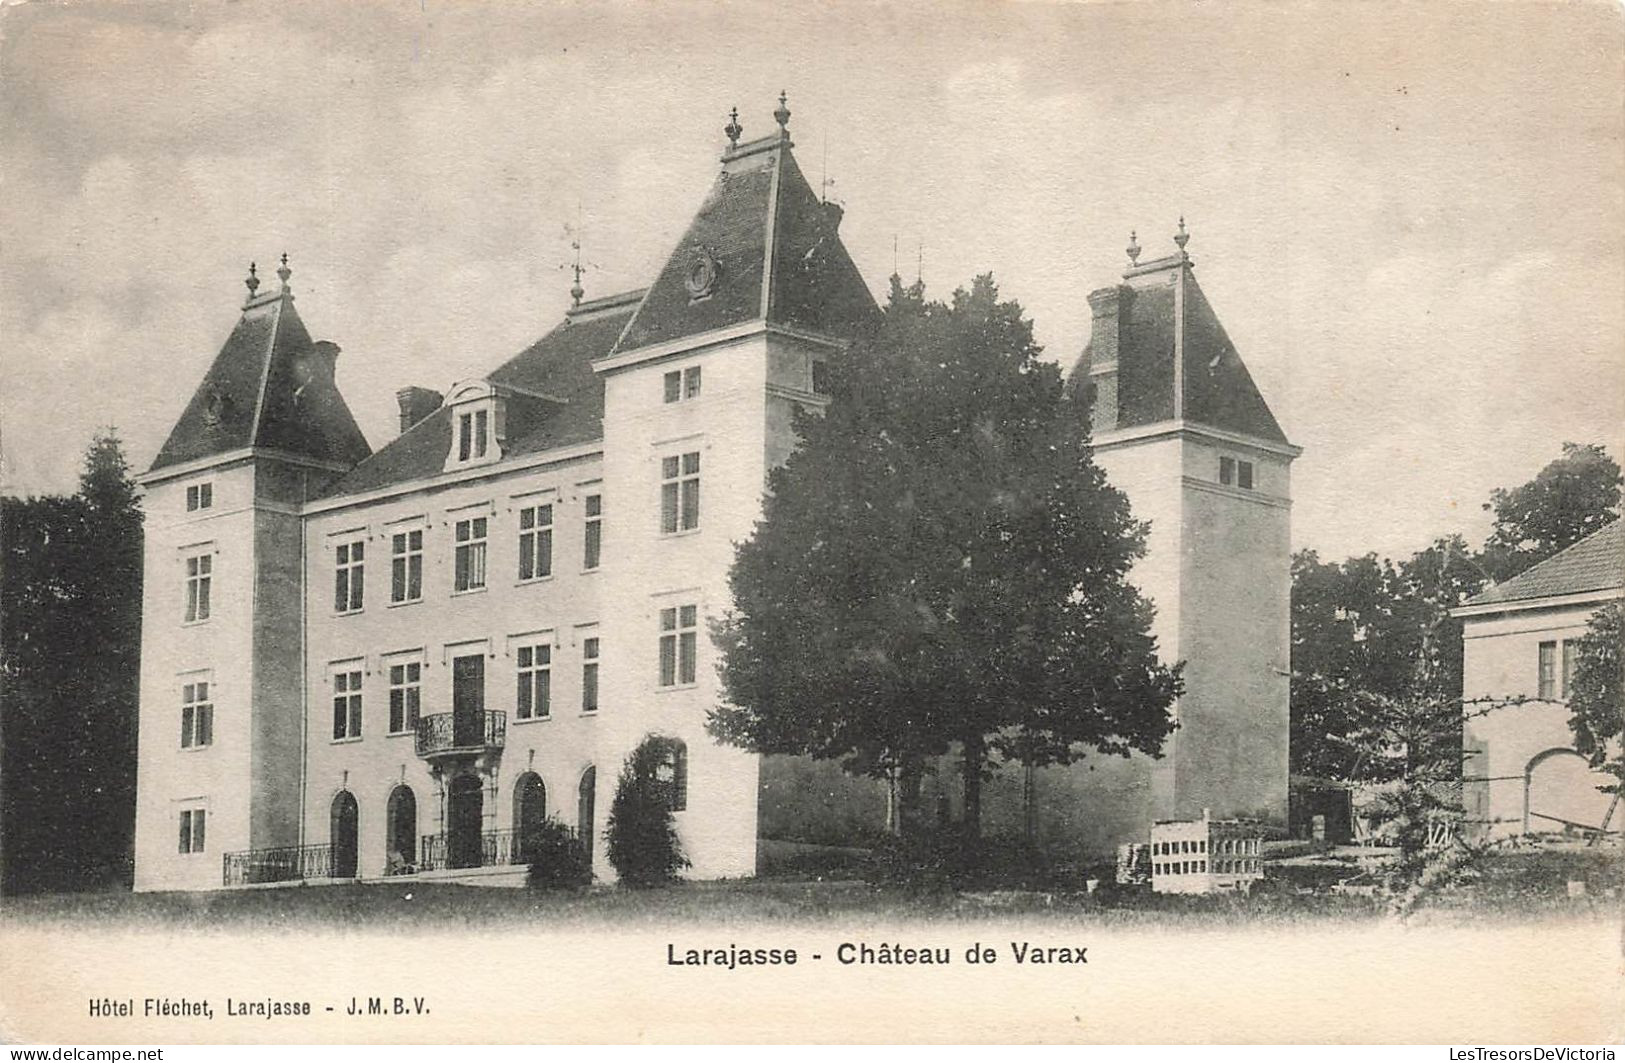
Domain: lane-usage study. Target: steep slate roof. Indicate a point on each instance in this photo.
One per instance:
(763, 227)
(1595, 563)
(1218, 389)
(558, 366)
(270, 386)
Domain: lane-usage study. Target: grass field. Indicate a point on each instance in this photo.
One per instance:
(1516, 888)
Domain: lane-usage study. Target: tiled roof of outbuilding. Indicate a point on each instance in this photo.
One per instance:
(1595, 563)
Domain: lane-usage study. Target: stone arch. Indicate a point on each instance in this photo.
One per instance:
(344, 834)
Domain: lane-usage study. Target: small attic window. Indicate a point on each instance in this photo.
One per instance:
(472, 429)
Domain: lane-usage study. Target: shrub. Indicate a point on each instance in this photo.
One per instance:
(642, 836)
(556, 857)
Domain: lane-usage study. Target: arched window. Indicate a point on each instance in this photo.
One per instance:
(401, 825)
(529, 814)
(586, 792)
(674, 772)
(343, 820)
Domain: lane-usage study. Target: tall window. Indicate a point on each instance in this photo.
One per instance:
(682, 384)
(593, 542)
(678, 644)
(589, 675)
(534, 699)
(535, 542)
(1548, 671)
(470, 554)
(471, 435)
(348, 576)
(406, 566)
(1227, 470)
(199, 496)
(1568, 666)
(1244, 475)
(680, 492)
(199, 574)
(405, 696)
(192, 829)
(820, 377)
(197, 715)
(346, 705)
(674, 773)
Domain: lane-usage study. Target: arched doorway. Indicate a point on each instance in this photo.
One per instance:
(586, 793)
(1560, 793)
(465, 819)
(529, 813)
(401, 844)
(343, 833)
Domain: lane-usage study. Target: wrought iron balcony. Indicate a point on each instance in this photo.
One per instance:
(496, 848)
(284, 863)
(456, 733)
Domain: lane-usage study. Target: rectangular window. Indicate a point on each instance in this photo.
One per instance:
(1244, 475)
(534, 696)
(535, 542)
(199, 575)
(199, 496)
(589, 675)
(465, 437)
(470, 554)
(1548, 671)
(1568, 666)
(406, 566)
(481, 418)
(405, 696)
(820, 377)
(193, 821)
(348, 576)
(1227, 470)
(680, 492)
(197, 715)
(678, 645)
(593, 538)
(680, 384)
(346, 705)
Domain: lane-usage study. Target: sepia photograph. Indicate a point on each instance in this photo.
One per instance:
(847, 523)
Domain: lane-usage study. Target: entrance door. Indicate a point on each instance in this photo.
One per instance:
(529, 814)
(403, 830)
(465, 818)
(343, 823)
(468, 700)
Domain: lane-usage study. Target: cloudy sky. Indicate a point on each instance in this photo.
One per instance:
(1409, 218)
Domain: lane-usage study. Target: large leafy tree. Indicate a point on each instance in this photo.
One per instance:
(942, 565)
(70, 597)
(1569, 499)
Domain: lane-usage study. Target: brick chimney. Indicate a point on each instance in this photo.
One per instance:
(1106, 306)
(417, 403)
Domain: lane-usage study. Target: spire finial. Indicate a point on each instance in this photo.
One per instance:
(576, 290)
(1133, 248)
(1182, 237)
(253, 280)
(283, 272)
(733, 129)
(782, 115)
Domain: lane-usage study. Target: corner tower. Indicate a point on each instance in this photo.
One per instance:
(221, 721)
(1180, 427)
(698, 398)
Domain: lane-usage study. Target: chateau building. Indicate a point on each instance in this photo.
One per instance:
(361, 663)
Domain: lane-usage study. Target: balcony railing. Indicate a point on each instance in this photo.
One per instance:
(497, 848)
(447, 733)
(285, 863)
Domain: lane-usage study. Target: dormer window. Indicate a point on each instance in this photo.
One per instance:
(478, 424)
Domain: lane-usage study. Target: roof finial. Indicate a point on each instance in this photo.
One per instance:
(253, 280)
(1182, 237)
(283, 272)
(733, 129)
(1133, 248)
(576, 290)
(782, 115)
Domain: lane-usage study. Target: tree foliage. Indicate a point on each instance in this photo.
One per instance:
(70, 597)
(1569, 499)
(941, 564)
(1597, 693)
(642, 835)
